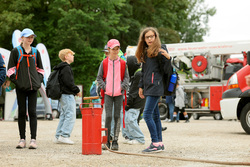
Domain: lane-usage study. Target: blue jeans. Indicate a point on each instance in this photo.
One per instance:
(132, 129)
(170, 103)
(152, 118)
(67, 116)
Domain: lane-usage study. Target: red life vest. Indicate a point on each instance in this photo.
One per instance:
(105, 70)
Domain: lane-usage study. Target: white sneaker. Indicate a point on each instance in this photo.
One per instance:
(65, 140)
(56, 140)
(134, 142)
(126, 141)
(166, 120)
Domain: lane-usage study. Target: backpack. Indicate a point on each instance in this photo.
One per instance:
(21, 55)
(93, 89)
(53, 89)
(170, 77)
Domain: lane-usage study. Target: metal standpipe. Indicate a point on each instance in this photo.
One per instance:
(92, 138)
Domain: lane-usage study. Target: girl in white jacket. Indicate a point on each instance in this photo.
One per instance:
(180, 103)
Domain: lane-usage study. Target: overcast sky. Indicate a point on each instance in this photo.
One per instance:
(231, 21)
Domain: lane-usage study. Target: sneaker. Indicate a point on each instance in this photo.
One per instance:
(104, 146)
(134, 142)
(65, 140)
(163, 128)
(152, 149)
(162, 147)
(126, 140)
(21, 144)
(114, 145)
(33, 144)
(56, 140)
(166, 120)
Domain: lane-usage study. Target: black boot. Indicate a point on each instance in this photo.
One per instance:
(114, 145)
(174, 118)
(187, 120)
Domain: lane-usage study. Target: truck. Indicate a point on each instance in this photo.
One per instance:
(235, 103)
(209, 65)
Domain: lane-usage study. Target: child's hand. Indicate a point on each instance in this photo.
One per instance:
(164, 53)
(141, 93)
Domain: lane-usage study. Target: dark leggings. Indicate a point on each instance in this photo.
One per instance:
(21, 101)
(177, 109)
(109, 102)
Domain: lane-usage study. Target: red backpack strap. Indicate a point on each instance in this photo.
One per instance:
(20, 57)
(105, 68)
(123, 68)
(124, 104)
(105, 71)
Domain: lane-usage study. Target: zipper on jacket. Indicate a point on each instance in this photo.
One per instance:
(113, 78)
(30, 79)
(152, 77)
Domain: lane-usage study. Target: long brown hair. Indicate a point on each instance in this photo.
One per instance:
(142, 47)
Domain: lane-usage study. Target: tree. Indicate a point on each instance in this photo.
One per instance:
(195, 27)
(85, 26)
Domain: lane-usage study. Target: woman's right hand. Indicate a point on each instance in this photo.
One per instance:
(141, 93)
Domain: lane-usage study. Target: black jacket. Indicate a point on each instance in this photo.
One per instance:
(66, 79)
(151, 80)
(28, 77)
(2, 71)
(134, 101)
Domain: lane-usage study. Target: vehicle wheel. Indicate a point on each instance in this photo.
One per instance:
(196, 116)
(163, 109)
(55, 114)
(245, 118)
(218, 116)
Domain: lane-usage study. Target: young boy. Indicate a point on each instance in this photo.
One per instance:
(180, 103)
(67, 100)
(113, 79)
(132, 130)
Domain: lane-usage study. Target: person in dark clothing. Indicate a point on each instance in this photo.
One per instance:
(2, 71)
(151, 84)
(67, 100)
(2, 81)
(25, 70)
(132, 131)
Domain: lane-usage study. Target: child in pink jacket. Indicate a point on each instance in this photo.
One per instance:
(113, 78)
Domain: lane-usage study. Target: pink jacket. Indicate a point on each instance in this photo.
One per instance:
(113, 79)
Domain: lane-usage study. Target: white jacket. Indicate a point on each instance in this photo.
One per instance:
(179, 99)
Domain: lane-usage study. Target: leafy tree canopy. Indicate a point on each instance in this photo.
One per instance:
(85, 26)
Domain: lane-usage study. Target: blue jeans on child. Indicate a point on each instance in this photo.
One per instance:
(132, 129)
(67, 116)
(152, 118)
(170, 102)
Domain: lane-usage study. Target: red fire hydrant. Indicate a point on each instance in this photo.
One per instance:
(92, 138)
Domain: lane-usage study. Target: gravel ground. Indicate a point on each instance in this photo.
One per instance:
(204, 139)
